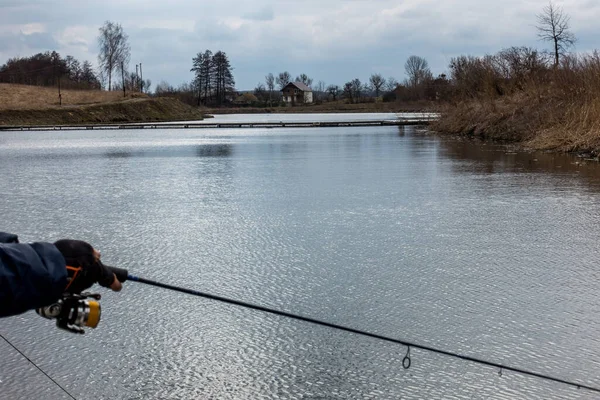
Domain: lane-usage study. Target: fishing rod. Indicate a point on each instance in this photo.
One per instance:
(77, 317)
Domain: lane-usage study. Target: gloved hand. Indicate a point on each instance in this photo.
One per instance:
(84, 267)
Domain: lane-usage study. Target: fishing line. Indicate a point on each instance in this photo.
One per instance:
(35, 365)
(405, 362)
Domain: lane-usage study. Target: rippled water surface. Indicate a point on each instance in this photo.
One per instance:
(467, 247)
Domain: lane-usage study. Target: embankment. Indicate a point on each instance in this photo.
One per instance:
(132, 110)
(532, 121)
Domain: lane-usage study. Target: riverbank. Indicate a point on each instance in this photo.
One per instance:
(531, 122)
(330, 107)
(33, 105)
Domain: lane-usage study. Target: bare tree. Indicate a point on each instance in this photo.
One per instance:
(553, 26)
(320, 90)
(377, 82)
(283, 79)
(270, 81)
(304, 79)
(391, 84)
(417, 70)
(357, 90)
(114, 49)
(334, 91)
(348, 92)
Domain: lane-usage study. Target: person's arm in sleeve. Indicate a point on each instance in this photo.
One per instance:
(32, 275)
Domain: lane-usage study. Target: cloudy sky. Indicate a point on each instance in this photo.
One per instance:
(330, 40)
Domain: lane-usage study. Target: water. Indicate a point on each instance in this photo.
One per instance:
(471, 248)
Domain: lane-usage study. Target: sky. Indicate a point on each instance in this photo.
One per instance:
(332, 41)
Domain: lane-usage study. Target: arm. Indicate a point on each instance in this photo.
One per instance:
(31, 275)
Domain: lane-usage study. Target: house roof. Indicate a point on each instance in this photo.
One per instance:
(300, 86)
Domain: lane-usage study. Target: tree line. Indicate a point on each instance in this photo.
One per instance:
(47, 69)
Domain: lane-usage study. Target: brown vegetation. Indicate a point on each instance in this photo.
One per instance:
(21, 97)
(34, 105)
(518, 95)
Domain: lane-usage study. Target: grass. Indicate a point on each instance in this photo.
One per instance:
(24, 97)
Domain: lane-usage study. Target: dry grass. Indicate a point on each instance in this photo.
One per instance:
(23, 97)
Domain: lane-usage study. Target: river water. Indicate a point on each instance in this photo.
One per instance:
(468, 247)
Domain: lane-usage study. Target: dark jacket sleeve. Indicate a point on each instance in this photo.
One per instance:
(32, 275)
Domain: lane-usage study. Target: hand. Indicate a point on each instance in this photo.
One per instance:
(84, 267)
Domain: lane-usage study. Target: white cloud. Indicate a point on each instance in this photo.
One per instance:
(332, 40)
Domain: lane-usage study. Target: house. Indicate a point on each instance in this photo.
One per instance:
(297, 93)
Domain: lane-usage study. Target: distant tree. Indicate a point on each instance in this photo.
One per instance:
(320, 90)
(417, 70)
(357, 89)
(114, 49)
(391, 84)
(146, 84)
(74, 68)
(303, 78)
(203, 68)
(348, 92)
(270, 81)
(334, 91)
(224, 81)
(260, 91)
(283, 79)
(88, 76)
(553, 26)
(163, 88)
(377, 82)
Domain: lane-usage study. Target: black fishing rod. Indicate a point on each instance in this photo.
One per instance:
(123, 275)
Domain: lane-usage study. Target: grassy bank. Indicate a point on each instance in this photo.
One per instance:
(32, 105)
(538, 106)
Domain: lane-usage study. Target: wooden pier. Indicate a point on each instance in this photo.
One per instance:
(224, 125)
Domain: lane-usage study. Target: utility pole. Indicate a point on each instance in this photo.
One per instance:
(58, 75)
(141, 79)
(123, 76)
(137, 78)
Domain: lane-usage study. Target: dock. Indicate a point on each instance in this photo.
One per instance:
(425, 120)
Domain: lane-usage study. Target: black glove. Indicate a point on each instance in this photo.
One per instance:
(83, 266)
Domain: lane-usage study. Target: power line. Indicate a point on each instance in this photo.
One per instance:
(405, 362)
(41, 370)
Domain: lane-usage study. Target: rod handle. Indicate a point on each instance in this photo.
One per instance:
(120, 273)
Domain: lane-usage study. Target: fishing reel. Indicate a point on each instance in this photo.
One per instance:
(74, 311)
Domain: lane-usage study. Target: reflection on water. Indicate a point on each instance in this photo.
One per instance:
(472, 248)
(219, 150)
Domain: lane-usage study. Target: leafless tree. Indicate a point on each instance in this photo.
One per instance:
(348, 92)
(553, 26)
(320, 90)
(304, 79)
(417, 70)
(270, 81)
(377, 82)
(334, 91)
(114, 49)
(391, 84)
(357, 89)
(283, 79)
